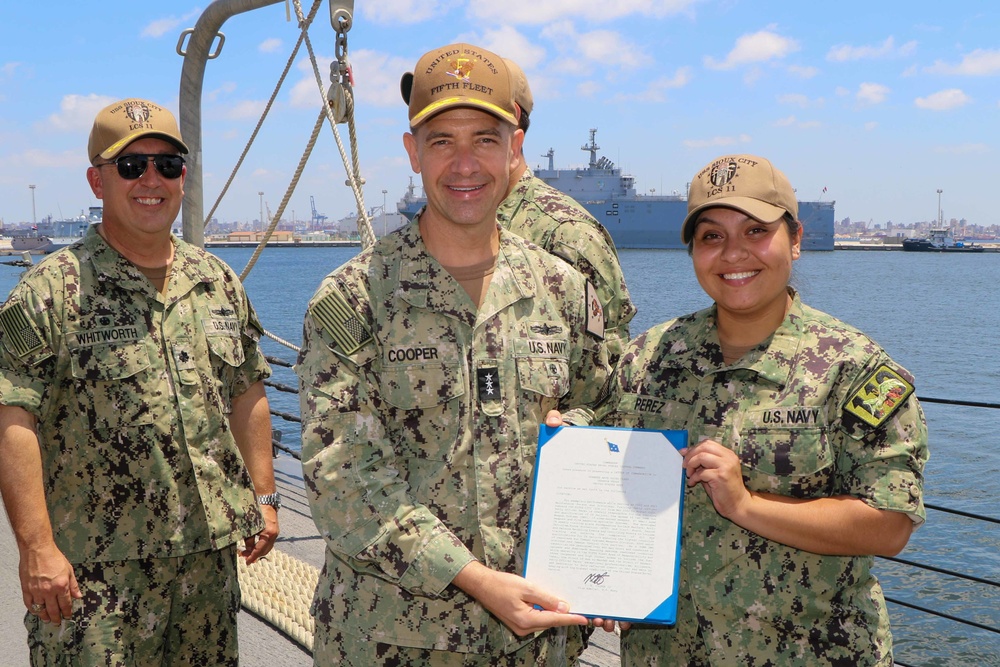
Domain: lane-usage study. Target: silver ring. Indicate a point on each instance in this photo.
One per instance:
(35, 608)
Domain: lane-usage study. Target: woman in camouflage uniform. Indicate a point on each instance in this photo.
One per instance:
(810, 454)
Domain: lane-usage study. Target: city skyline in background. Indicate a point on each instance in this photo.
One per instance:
(878, 107)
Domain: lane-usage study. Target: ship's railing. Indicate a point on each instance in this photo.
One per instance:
(891, 599)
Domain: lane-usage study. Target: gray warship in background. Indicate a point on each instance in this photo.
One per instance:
(635, 220)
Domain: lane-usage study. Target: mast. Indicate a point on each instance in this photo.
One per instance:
(592, 147)
(196, 56)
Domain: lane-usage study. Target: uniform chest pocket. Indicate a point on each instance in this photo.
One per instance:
(548, 377)
(793, 461)
(107, 363)
(113, 377)
(424, 413)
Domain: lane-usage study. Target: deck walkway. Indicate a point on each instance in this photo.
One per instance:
(260, 644)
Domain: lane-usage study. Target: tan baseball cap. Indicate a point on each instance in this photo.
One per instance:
(746, 183)
(119, 124)
(459, 75)
(522, 92)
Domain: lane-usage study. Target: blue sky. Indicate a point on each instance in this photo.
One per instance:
(881, 103)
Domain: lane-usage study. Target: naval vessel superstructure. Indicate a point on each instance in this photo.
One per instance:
(638, 220)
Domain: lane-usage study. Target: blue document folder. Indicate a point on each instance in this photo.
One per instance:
(605, 526)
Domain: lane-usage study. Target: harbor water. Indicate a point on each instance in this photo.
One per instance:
(937, 315)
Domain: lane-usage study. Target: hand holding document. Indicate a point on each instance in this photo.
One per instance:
(605, 521)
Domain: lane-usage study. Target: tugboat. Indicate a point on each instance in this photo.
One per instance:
(940, 240)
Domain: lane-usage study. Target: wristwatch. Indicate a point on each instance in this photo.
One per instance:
(272, 499)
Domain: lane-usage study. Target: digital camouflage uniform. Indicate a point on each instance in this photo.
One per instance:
(536, 211)
(420, 423)
(131, 390)
(746, 600)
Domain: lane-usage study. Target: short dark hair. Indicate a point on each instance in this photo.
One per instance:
(524, 121)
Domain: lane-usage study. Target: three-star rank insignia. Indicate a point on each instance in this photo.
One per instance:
(488, 385)
(879, 396)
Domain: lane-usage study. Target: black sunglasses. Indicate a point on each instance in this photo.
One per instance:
(133, 165)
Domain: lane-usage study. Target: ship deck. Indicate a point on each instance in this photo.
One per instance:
(261, 645)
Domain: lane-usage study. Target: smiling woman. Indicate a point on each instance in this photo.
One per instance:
(810, 446)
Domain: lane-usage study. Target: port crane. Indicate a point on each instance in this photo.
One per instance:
(317, 220)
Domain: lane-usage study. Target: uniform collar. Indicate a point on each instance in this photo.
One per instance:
(424, 283)
(775, 363)
(522, 190)
(109, 264)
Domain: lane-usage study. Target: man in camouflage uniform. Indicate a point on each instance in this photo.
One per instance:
(555, 221)
(427, 364)
(804, 469)
(134, 428)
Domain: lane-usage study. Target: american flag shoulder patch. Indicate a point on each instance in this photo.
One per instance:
(18, 332)
(336, 318)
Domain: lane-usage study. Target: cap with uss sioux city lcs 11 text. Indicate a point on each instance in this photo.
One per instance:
(747, 183)
(459, 75)
(119, 124)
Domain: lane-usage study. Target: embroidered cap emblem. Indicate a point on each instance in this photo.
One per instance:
(137, 111)
(461, 68)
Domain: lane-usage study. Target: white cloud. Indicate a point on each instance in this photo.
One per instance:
(887, 49)
(160, 27)
(547, 11)
(758, 47)
(871, 93)
(805, 72)
(270, 45)
(944, 100)
(716, 142)
(225, 89)
(870, 125)
(588, 89)
(401, 11)
(654, 92)
(981, 62)
(507, 41)
(607, 47)
(8, 69)
(795, 99)
(376, 79)
(35, 158)
(245, 109)
(792, 121)
(77, 112)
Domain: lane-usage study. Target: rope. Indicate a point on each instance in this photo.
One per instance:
(279, 589)
(353, 179)
(260, 122)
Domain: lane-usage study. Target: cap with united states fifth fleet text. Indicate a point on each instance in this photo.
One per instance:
(459, 75)
(747, 183)
(119, 124)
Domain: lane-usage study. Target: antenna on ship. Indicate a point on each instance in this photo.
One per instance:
(592, 147)
(550, 155)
